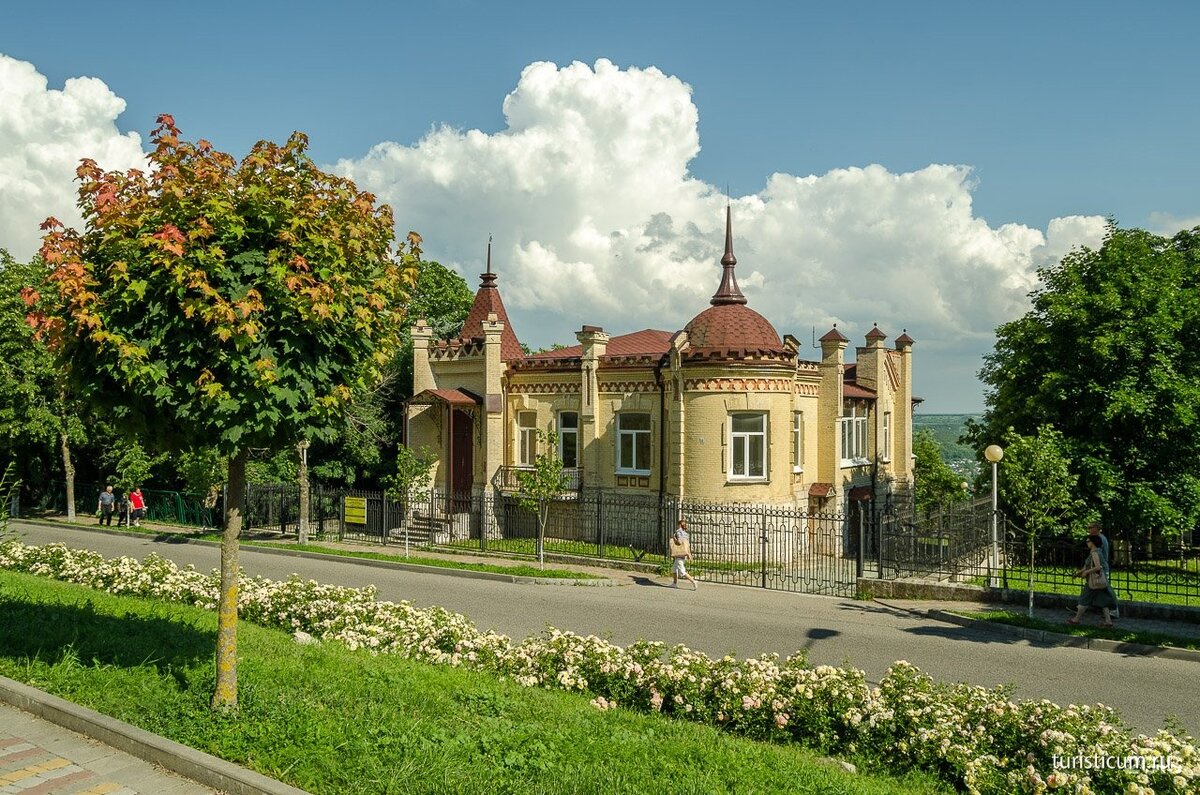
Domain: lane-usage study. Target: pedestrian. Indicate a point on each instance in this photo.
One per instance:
(138, 505)
(1096, 531)
(123, 510)
(106, 506)
(1096, 592)
(681, 551)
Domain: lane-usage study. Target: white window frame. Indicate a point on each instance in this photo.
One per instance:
(568, 431)
(797, 441)
(885, 449)
(636, 436)
(526, 438)
(741, 448)
(854, 432)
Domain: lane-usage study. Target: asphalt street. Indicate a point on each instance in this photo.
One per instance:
(747, 621)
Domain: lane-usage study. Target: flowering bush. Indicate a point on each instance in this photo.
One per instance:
(974, 737)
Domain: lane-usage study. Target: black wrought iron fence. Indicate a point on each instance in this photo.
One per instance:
(767, 546)
(951, 541)
(1138, 572)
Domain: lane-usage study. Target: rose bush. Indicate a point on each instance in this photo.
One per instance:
(975, 738)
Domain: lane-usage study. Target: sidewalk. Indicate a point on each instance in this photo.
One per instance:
(960, 612)
(41, 758)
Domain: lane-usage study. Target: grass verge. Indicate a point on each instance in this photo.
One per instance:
(1116, 633)
(334, 721)
(444, 563)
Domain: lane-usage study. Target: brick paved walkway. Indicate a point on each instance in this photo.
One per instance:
(40, 758)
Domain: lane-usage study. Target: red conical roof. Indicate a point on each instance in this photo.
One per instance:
(487, 301)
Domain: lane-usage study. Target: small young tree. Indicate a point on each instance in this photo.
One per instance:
(414, 470)
(9, 484)
(538, 487)
(238, 305)
(1036, 482)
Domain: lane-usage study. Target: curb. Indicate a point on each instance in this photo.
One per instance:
(1061, 639)
(196, 765)
(519, 579)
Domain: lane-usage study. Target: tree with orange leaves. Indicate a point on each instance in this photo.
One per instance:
(217, 303)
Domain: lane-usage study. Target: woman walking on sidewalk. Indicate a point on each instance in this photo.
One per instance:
(1097, 593)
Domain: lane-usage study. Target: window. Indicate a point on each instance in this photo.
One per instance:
(854, 431)
(797, 441)
(885, 450)
(748, 446)
(568, 438)
(633, 443)
(526, 438)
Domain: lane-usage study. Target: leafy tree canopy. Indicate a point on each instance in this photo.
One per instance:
(28, 412)
(1108, 355)
(936, 483)
(224, 304)
(442, 298)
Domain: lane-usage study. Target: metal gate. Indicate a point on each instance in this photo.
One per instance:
(780, 548)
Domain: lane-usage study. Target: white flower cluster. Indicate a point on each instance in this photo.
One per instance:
(976, 738)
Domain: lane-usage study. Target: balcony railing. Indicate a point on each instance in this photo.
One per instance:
(506, 478)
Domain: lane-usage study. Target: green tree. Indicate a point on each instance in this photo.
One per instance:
(27, 413)
(1108, 355)
(935, 482)
(35, 414)
(442, 298)
(1037, 484)
(231, 305)
(9, 484)
(541, 485)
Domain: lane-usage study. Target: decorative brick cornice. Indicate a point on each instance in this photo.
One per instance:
(450, 350)
(738, 384)
(628, 386)
(808, 390)
(544, 389)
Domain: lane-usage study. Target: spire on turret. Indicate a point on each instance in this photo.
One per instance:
(488, 279)
(728, 292)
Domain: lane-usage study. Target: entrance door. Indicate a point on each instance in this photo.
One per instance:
(462, 452)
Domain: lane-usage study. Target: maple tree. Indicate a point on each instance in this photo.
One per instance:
(224, 304)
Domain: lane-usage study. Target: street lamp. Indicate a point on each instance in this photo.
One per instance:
(994, 453)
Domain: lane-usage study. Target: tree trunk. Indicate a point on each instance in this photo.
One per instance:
(225, 696)
(69, 471)
(302, 448)
(543, 514)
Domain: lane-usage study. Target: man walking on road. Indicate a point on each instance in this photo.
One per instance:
(106, 505)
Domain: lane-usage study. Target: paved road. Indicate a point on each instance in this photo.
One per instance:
(749, 621)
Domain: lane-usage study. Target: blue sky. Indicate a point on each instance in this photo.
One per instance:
(1074, 111)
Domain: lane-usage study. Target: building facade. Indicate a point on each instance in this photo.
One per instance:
(722, 410)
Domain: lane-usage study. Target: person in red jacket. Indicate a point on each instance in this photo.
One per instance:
(137, 504)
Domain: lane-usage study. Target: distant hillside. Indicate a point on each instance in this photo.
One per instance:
(947, 428)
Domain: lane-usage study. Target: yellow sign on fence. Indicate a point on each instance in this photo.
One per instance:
(355, 509)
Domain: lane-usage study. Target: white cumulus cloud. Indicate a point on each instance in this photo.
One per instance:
(44, 133)
(597, 220)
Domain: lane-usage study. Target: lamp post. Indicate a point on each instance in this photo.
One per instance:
(994, 453)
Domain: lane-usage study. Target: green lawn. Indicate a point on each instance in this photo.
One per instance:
(522, 570)
(334, 721)
(556, 546)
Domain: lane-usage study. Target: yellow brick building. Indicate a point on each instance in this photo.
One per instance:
(721, 411)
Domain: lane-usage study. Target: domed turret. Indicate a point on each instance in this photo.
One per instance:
(729, 328)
